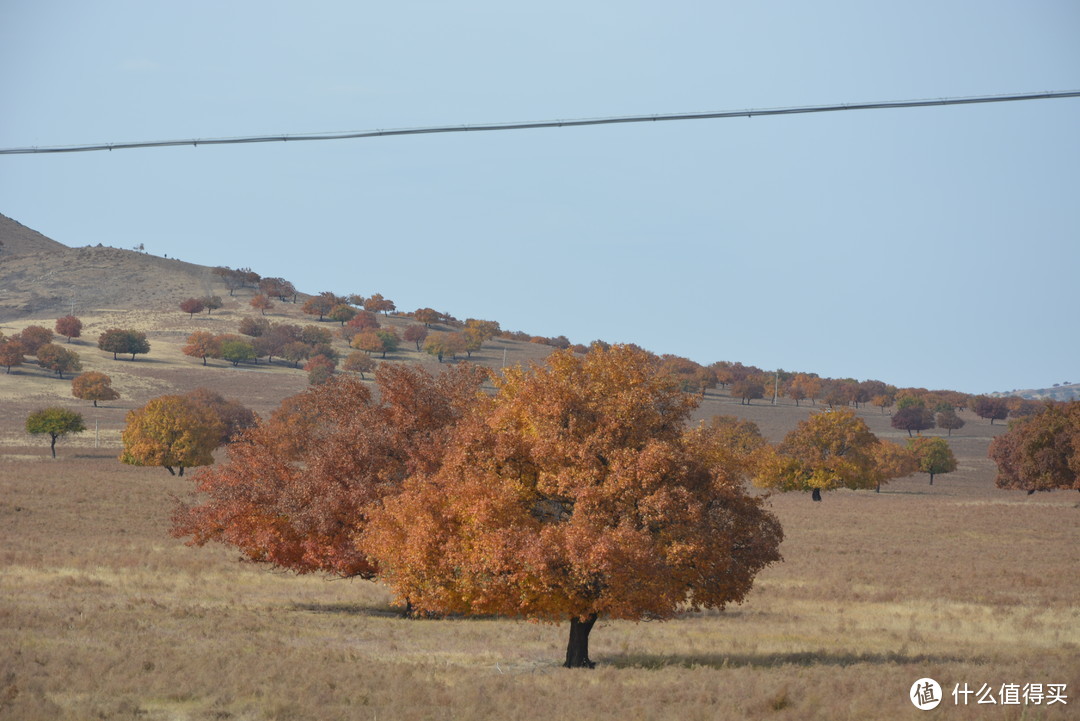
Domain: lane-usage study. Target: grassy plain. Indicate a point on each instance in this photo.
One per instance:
(104, 615)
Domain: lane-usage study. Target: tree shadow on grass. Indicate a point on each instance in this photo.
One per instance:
(350, 609)
(775, 660)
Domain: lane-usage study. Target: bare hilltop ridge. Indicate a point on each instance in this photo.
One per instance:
(40, 277)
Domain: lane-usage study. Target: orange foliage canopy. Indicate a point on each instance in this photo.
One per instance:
(576, 492)
(297, 491)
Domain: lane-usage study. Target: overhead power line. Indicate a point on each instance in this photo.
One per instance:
(532, 125)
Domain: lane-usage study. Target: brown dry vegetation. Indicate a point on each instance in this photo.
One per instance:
(103, 615)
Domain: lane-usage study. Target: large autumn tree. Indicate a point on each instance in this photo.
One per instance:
(933, 455)
(576, 492)
(1040, 452)
(834, 449)
(93, 386)
(69, 326)
(299, 489)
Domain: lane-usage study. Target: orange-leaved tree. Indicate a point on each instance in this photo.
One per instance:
(171, 431)
(1040, 452)
(575, 493)
(299, 488)
(834, 449)
(93, 386)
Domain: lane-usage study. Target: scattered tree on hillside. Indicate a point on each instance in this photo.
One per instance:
(294, 352)
(1040, 452)
(12, 353)
(358, 362)
(253, 327)
(298, 492)
(748, 389)
(58, 359)
(834, 449)
(202, 344)
(119, 340)
(55, 422)
(369, 341)
(93, 386)
(427, 316)
(173, 432)
(913, 418)
(342, 313)
(211, 303)
(69, 326)
(377, 304)
(442, 343)
(415, 333)
(883, 401)
(575, 493)
(33, 337)
(278, 288)
(320, 369)
(949, 420)
(261, 303)
(692, 377)
(314, 335)
(321, 304)
(235, 349)
(995, 409)
(934, 456)
(191, 306)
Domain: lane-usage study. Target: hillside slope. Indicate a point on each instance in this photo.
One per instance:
(41, 277)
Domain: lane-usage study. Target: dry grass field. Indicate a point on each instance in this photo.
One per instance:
(104, 615)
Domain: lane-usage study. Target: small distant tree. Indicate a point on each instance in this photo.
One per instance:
(415, 333)
(358, 362)
(427, 316)
(254, 327)
(294, 352)
(211, 303)
(321, 304)
(55, 422)
(120, 340)
(69, 326)
(261, 303)
(237, 350)
(173, 432)
(934, 456)
(368, 341)
(949, 420)
(913, 418)
(320, 369)
(883, 401)
(994, 409)
(33, 337)
(11, 354)
(441, 344)
(202, 344)
(342, 313)
(58, 359)
(191, 306)
(378, 304)
(748, 389)
(314, 335)
(390, 340)
(93, 386)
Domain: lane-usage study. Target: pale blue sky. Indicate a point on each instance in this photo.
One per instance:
(928, 247)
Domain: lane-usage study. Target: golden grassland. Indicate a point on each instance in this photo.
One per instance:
(103, 615)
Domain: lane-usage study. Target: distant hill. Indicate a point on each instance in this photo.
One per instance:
(1059, 392)
(39, 277)
(19, 240)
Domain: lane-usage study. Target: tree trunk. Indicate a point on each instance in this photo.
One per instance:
(170, 470)
(931, 479)
(816, 494)
(53, 445)
(577, 650)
